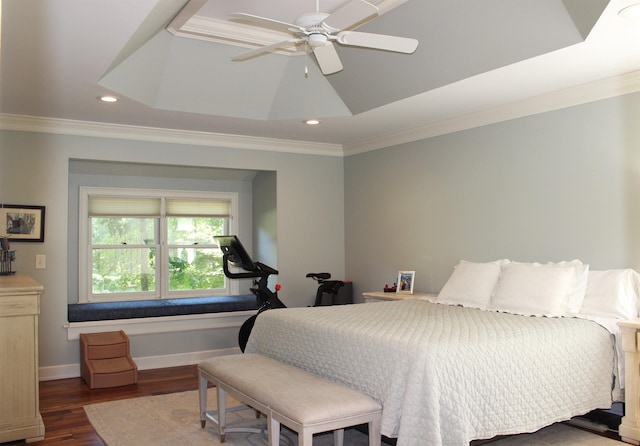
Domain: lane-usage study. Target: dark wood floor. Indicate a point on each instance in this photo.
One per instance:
(61, 403)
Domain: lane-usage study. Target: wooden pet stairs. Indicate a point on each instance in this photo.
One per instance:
(105, 360)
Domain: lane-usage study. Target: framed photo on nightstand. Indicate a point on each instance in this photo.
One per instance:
(405, 282)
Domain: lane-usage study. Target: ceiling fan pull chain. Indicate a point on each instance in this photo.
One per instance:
(306, 58)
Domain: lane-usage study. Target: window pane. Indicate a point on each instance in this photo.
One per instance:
(192, 230)
(123, 270)
(195, 269)
(123, 230)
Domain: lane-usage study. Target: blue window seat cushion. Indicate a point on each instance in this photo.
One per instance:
(102, 311)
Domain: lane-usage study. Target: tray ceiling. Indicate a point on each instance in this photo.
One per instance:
(170, 63)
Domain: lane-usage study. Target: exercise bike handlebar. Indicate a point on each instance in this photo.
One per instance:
(266, 298)
(261, 270)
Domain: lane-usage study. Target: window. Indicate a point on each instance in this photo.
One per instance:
(152, 244)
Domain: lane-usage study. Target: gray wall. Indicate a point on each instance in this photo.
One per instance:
(265, 221)
(555, 186)
(35, 170)
(550, 187)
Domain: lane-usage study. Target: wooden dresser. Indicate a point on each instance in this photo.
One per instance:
(19, 388)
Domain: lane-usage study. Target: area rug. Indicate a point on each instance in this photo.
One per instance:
(174, 419)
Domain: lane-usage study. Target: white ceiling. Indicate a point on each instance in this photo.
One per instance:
(479, 61)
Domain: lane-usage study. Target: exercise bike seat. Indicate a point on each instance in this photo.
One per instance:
(319, 276)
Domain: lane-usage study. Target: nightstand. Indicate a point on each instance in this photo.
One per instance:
(630, 425)
(381, 296)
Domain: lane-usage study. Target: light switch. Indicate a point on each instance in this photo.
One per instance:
(40, 261)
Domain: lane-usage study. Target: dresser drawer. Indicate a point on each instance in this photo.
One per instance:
(19, 305)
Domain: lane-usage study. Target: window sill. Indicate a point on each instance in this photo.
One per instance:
(160, 316)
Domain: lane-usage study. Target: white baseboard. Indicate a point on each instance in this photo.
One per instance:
(144, 363)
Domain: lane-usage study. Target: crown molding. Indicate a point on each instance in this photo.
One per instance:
(39, 124)
(231, 33)
(568, 97)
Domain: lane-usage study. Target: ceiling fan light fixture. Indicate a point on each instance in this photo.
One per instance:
(630, 12)
(316, 40)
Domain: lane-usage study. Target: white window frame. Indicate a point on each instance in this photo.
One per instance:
(162, 283)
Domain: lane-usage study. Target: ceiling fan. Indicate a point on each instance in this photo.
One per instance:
(318, 30)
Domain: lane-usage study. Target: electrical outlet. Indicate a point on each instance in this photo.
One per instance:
(40, 261)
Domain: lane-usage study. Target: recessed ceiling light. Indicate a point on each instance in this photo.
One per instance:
(312, 121)
(631, 11)
(108, 98)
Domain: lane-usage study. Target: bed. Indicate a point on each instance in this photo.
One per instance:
(473, 363)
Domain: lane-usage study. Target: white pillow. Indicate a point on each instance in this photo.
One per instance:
(471, 284)
(578, 288)
(612, 293)
(534, 289)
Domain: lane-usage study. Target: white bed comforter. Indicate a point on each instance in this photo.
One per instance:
(446, 375)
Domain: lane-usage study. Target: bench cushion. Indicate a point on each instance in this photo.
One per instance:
(294, 393)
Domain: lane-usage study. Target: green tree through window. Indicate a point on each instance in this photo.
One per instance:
(155, 246)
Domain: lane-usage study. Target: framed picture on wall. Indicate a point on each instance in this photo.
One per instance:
(405, 282)
(22, 223)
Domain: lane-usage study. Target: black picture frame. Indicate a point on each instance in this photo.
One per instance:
(22, 223)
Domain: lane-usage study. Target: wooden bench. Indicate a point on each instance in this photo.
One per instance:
(300, 400)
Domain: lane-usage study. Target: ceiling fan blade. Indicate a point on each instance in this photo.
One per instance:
(266, 22)
(378, 41)
(328, 58)
(353, 13)
(265, 49)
